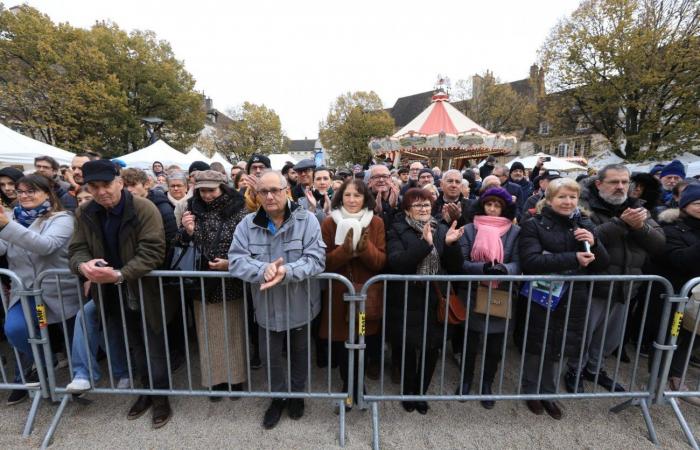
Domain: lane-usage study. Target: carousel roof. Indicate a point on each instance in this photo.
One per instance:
(441, 117)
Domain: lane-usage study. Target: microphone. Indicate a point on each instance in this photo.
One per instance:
(575, 217)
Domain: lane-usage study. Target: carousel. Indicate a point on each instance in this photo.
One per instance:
(443, 136)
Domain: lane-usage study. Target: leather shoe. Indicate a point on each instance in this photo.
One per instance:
(295, 408)
(422, 407)
(535, 406)
(552, 409)
(409, 406)
(139, 407)
(486, 390)
(161, 411)
(273, 413)
(465, 390)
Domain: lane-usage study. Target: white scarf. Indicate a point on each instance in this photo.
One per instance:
(346, 221)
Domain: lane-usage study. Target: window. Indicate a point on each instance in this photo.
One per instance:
(582, 124)
(586, 147)
(544, 128)
(577, 148)
(563, 150)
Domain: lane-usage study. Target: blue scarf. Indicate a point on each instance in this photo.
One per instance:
(27, 216)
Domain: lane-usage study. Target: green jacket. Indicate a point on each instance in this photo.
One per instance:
(141, 246)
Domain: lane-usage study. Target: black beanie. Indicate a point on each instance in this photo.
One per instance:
(198, 165)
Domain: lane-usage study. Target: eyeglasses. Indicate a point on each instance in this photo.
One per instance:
(380, 177)
(28, 192)
(421, 206)
(266, 192)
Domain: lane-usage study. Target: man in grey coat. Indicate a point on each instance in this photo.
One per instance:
(277, 249)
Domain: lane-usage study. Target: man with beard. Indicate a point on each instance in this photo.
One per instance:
(630, 236)
(672, 174)
(290, 174)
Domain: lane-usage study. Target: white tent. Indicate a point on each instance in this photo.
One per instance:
(18, 149)
(277, 160)
(553, 164)
(218, 157)
(693, 169)
(158, 151)
(196, 155)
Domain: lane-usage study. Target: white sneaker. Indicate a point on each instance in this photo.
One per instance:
(124, 383)
(78, 385)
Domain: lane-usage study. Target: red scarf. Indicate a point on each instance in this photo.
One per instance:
(488, 246)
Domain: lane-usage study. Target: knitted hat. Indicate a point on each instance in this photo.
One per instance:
(656, 169)
(426, 170)
(675, 167)
(517, 165)
(689, 195)
(198, 165)
(11, 172)
(258, 158)
(496, 194)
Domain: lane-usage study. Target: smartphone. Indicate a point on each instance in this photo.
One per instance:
(586, 247)
(101, 264)
(547, 158)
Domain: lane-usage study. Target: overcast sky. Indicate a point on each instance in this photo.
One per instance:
(298, 56)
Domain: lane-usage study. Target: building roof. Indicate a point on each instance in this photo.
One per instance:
(302, 145)
(407, 108)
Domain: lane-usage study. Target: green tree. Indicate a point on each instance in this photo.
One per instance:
(255, 129)
(494, 105)
(88, 89)
(353, 119)
(630, 69)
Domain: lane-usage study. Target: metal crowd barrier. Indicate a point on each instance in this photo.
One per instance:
(175, 289)
(514, 365)
(679, 379)
(21, 369)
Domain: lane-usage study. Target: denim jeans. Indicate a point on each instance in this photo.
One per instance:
(95, 339)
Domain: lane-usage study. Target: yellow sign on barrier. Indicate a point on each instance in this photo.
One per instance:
(361, 323)
(676, 327)
(41, 315)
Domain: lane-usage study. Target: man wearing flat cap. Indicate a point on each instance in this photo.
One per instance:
(118, 239)
(305, 177)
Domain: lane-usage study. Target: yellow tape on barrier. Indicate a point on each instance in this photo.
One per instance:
(361, 323)
(676, 327)
(41, 315)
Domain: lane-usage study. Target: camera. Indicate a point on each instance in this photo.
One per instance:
(547, 158)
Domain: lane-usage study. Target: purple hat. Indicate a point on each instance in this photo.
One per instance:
(675, 167)
(498, 194)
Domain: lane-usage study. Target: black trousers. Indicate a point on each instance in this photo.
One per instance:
(413, 360)
(494, 345)
(155, 355)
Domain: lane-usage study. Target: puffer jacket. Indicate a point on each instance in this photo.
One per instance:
(215, 224)
(628, 249)
(299, 243)
(681, 258)
(547, 246)
(406, 249)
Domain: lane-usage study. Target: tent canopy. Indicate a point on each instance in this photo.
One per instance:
(218, 157)
(18, 149)
(196, 155)
(554, 164)
(278, 160)
(158, 151)
(441, 117)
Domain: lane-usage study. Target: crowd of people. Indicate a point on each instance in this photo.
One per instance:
(273, 231)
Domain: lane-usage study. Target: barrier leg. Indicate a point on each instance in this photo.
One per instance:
(375, 425)
(683, 423)
(55, 421)
(341, 414)
(650, 425)
(32, 414)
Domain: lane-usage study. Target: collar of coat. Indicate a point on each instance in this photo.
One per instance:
(591, 197)
(92, 210)
(261, 217)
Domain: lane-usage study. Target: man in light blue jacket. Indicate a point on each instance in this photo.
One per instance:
(278, 249)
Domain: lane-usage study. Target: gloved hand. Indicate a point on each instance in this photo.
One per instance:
(496, 269)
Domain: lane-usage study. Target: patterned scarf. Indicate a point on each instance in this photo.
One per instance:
(431, 263)
(26, 217)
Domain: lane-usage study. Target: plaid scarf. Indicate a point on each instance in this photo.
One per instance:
(431, 263)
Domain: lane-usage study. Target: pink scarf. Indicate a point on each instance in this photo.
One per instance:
(488, 246)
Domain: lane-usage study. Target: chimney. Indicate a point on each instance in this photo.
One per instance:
(534, 72)
(209, 103)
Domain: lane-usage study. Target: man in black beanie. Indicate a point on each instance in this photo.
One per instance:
(517, 176)
(257, 164)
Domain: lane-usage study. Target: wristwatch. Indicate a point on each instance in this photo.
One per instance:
(120, 278)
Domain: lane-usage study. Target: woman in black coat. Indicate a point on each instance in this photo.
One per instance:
(554, 242)
(682, 263)
(417, 245)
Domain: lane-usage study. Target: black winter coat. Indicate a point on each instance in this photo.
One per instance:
(215, 223)
(167, 213)
(553, 233)
(682, 255)
(628, 249)
(405, 251)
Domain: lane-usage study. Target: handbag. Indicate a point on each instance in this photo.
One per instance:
(499, 302)
(691, 311)
(452, 307)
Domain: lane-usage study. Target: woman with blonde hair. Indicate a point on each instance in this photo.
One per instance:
(558, 240)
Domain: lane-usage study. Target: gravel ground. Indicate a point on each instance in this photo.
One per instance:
(198, 423)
